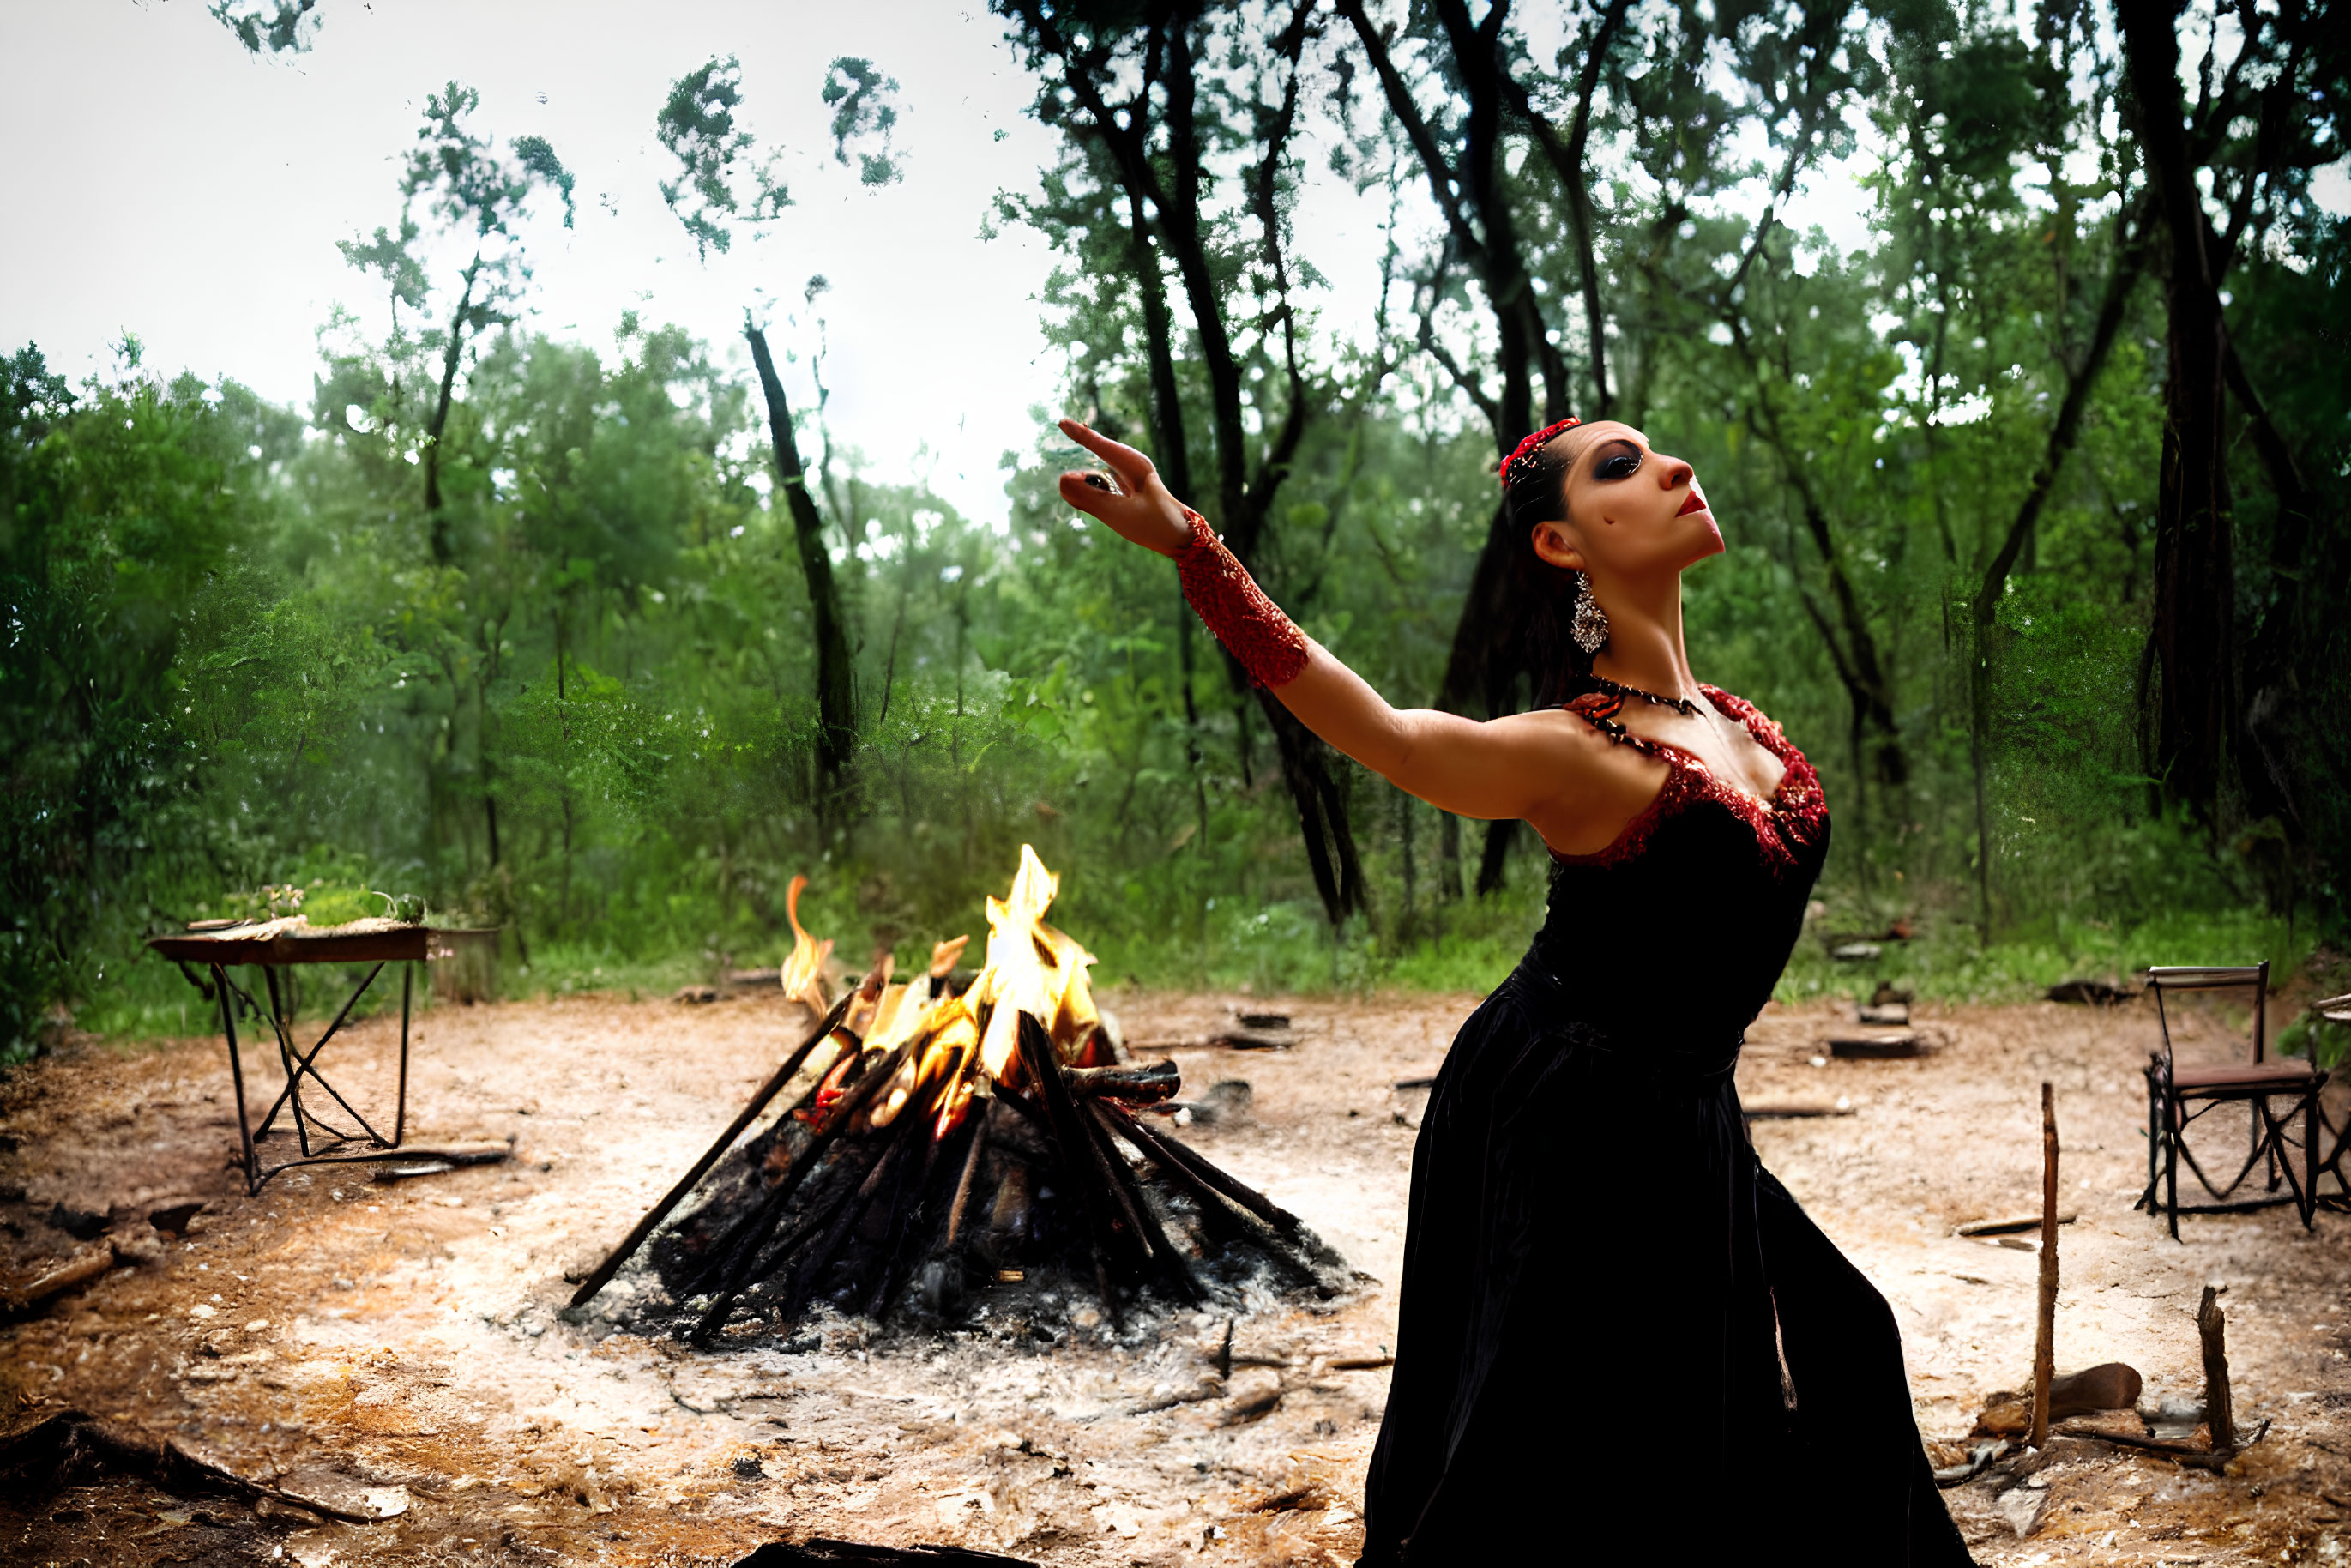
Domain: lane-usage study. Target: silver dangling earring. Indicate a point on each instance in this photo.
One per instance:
(1591, 628)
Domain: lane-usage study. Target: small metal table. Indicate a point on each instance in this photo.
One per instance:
(270, 945)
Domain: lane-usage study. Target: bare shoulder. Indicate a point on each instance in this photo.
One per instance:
(1583, 769)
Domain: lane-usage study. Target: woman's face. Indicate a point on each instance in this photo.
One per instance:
(1631, 512)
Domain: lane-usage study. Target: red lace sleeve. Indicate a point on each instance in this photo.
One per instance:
(1268, 645)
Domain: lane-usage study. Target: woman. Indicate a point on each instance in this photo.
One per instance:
(1613, 1319)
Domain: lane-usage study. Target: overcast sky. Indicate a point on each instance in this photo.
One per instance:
(163, 182)
(168, 184)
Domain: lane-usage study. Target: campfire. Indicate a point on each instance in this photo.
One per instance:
(960, 1133)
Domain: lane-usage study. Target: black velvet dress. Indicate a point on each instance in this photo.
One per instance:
(1614, 1320)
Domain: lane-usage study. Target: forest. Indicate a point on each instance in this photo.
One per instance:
(2034, 502)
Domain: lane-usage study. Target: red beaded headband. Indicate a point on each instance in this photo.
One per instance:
(1526, 449)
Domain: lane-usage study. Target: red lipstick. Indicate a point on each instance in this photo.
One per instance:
(1696, 503)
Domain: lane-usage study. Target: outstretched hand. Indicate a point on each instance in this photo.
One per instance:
(1130, 498)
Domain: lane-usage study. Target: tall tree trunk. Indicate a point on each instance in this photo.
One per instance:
(1175, 461)
(2270, 735)
(2194, 631)
(1566, 158)
(836, 690)
(1483, 664)
(1242, 504)
(444, 549)
(1487, 658)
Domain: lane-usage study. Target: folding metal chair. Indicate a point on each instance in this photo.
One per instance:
(2333, 1010)
(2177, 1095)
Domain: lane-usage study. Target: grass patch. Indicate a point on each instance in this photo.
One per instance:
(1287, 947)
(1946, 964)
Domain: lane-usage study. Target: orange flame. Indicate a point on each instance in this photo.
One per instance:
(898, 1017)
(1031, 968)
(1015, 977)
(804, 971)
(1074, 1015)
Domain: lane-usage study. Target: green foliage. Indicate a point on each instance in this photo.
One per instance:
(517, 630)
(864, 111)
(121, 515)
(281, 27)
(698, 127)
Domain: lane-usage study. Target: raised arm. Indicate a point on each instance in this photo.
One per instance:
(1524, 766)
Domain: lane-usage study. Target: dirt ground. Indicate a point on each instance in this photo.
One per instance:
(404, 1341)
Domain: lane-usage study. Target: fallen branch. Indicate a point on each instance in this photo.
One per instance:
(1208, 1388)
(1224, 1039)
(78, 1269)
(2008, 1224)
(487, 1152)
(823, 1551)
(2188, 1454)
(64, 1440)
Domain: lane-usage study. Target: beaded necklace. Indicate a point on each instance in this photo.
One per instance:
(1682, 705)
(1606, 699)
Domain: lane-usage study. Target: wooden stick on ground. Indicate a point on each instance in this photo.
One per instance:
(2220, 1410)
(2044, 1338)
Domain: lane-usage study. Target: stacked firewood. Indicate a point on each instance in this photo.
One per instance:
(954, 1136)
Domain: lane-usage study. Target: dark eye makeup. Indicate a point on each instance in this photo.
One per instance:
(1621, 464)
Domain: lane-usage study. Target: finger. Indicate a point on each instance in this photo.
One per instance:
(1089, 491)
(1132, 466)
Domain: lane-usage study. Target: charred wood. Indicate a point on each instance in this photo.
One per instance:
(1157, 1082)
(751, 1233)
(1076, 1148)
(701, 1167)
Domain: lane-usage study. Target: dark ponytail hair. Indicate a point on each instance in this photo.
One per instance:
(1542, 596)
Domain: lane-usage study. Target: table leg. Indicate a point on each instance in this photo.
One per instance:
(308, 1064)
(2310, 1157)
(236, 1077)
(287, 1059)
(400, 1114)
(2332, 1163)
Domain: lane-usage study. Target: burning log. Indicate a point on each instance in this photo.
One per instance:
(1157, 1082)
(972, 1134)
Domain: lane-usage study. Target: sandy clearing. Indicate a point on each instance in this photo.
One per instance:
(408, 1333)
